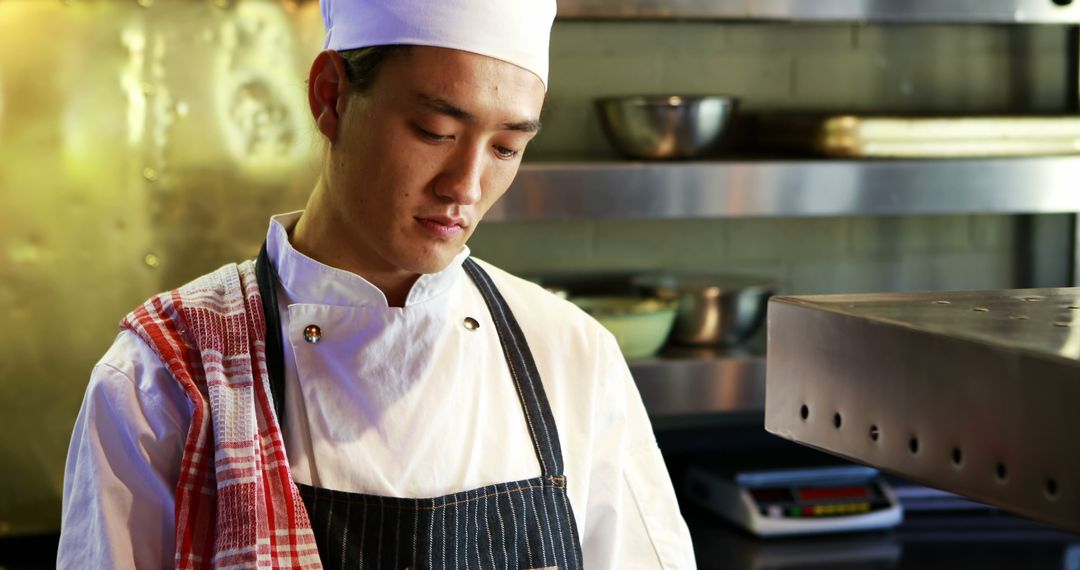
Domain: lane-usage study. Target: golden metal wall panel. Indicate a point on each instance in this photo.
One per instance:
(142, 143)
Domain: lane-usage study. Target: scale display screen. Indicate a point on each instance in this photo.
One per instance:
(827, 493)
(798, 502)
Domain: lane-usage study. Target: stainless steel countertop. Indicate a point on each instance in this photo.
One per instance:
(1043, 321)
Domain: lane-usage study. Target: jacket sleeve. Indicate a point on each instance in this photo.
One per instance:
(123, 463)
(633, 517)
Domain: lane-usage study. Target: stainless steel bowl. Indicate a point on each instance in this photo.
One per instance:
(665, 127)
(713, 310)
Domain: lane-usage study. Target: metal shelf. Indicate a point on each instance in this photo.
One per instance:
(877, 11)
(790, 188)
(683, 387)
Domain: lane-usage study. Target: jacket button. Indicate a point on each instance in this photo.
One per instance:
(312, 333)
(471, 323)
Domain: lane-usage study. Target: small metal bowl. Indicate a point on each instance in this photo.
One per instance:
(665, 127)
(713, 310)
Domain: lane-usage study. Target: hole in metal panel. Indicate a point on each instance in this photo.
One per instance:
(957, 457)
(913, 445)
(1001, 472)
(1051, 488)
(875, 433)
(837, 420)
(804, 411)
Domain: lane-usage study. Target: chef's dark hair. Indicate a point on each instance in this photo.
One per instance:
(362, 65)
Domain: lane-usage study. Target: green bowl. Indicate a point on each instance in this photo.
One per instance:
(640, 325)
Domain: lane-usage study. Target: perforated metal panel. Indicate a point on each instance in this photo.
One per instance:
(972, 392)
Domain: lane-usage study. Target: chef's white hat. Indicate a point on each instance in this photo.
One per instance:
(515, 31)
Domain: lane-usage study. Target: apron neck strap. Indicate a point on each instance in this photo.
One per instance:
(267, 278)
(530, 390)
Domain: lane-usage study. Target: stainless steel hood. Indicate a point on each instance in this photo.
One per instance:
(973, 392)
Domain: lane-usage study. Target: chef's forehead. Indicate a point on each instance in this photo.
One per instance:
(515, 31)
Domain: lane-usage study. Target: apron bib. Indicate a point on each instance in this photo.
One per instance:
(527, 524)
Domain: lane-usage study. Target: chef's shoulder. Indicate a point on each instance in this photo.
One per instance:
(542, 314)
(134, 381)
(132, 373)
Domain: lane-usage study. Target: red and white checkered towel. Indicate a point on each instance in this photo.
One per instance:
(236, 503)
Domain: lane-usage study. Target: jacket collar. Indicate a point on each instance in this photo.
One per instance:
(308, 281)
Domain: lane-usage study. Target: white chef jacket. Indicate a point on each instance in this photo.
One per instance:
(393, 401)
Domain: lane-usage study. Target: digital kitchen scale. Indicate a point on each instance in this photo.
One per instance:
(805, 500)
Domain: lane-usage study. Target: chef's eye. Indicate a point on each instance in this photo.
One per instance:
(504, 152)
(433, 137)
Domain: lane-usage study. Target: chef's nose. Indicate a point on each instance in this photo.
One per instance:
(459, 181)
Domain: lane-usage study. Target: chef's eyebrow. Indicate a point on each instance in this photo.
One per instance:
(442, 106)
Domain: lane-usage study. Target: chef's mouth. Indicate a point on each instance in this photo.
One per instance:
(442, 227)
(444, 221)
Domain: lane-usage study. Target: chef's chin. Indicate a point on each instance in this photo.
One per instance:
(435, 260)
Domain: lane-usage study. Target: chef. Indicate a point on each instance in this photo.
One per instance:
(365, 393)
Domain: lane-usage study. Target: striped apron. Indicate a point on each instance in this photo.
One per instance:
(526, 524)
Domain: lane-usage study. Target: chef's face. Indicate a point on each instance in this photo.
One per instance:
(420, 156)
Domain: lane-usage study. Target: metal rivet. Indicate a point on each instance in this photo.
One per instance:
(471, 324)
(1063, 325)
(1019, 317)
(942, 302)
(981, 310)
(312, 333)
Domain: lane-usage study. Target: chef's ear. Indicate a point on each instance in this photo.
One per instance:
(328, 87)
